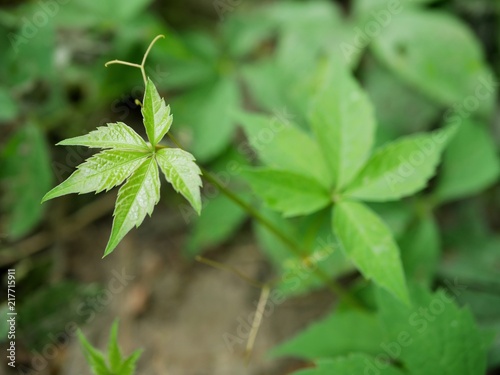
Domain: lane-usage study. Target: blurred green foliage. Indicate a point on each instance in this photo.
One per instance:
(423, 64)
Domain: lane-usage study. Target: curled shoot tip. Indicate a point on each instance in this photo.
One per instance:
(141, 66)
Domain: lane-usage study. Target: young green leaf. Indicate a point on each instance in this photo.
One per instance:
(136, 199)
(94, 358)
(401, 168)
(290, 193)
(116, 135)
(114, 354)
(340, 333)
(102, 171)
(116, 364)
(283, 146)
(181, 171)
(470, 163)
(343, 121)
(368, 242)
(156, 114)
(354, 364)
(128, 366)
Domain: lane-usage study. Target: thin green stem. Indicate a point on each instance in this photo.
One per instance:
(142, 65)
(335, 287)
(121, 62)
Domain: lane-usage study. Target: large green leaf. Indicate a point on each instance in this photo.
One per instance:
(423, 60)
(181, 171)
(400, 168)
(343, 121)
(355, 364)
(156, 114)
(26, 167)
(470, 163)
(340, 333)
(368, 242)
(102, 171)
(282, 145)
(441, 339)
(475, 263)
(117, 136)
(290, 193)
(136, 199)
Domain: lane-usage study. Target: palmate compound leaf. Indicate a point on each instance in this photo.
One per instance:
(136, 199)
(156, 114)
(116, 363)
(102, 171)
(133, 159)
(116, 136)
